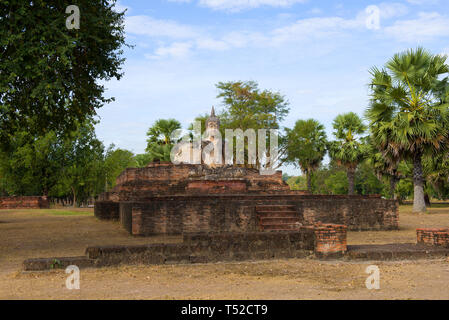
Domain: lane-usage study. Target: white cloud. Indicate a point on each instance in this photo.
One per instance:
(314, 28)
(188, 39)
(423, 2)
(145, 25)
(426, 27)
(238, 5)
(175, 50)
(391, 10)
(211, 44)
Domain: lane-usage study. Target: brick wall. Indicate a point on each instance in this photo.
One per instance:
(237, 213)
(330, 240)
(136, 184)
(107, 210)
(172, 199)
(433, 236)
(358, 213)
(208, 187)
(214, 247)
(32, 202)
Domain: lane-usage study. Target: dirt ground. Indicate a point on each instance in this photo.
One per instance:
(48, 233)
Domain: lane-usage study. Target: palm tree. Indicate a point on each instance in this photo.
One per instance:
(408, 112)
(436, 170)
(161, 138)
(384, 164)
(306, 147)
(347, 150)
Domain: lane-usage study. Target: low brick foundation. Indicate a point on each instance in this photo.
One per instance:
(325, 241)
(438, 237)
(330, 240)
(31, 202)
(394, 252)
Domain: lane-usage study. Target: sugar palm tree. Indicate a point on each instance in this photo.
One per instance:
(306, 147)
(161, 140)
(436, 170)
(408, 112)
(384, 164)
(347, 150)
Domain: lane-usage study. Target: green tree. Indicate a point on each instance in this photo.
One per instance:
(31, 166)
(83, 164)
(297, 183)
(347, 150)
(51, 77)
(116, 160)
(142, 160)
(367, 182)
(384, 164)
(408, 112)
(161, 138)
(245, 106)
(436, 171)
(337, 183)
(54, 165)
(248, 107)
(306, 147)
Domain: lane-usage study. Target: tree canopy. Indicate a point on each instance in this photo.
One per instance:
(347, 150)
(306, 146)
(51, 76)
(161, 139)
(408, 113)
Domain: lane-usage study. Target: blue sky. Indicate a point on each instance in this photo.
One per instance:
(316, 53)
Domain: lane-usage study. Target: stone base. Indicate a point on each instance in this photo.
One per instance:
(208, 248)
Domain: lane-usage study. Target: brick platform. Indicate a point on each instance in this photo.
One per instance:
(438, 237)
(30, 202)
(164, 198)
(210, 247)
(395, 251)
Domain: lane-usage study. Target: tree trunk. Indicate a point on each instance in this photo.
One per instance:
(419, 204)
(393, 182)
(74, 197)
(427, 200)
(351, 178)
(309, 181)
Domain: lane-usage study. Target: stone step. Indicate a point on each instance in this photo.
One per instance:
(276, 220)
(273, 208)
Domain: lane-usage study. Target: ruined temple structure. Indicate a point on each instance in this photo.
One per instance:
(167, 198)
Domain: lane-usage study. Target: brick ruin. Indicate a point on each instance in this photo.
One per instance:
(438, 237)
(229, 202)
(25, 202)
(164, 198)
(321, 241)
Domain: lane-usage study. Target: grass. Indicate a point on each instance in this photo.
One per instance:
(59, 212)
(436, 207)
